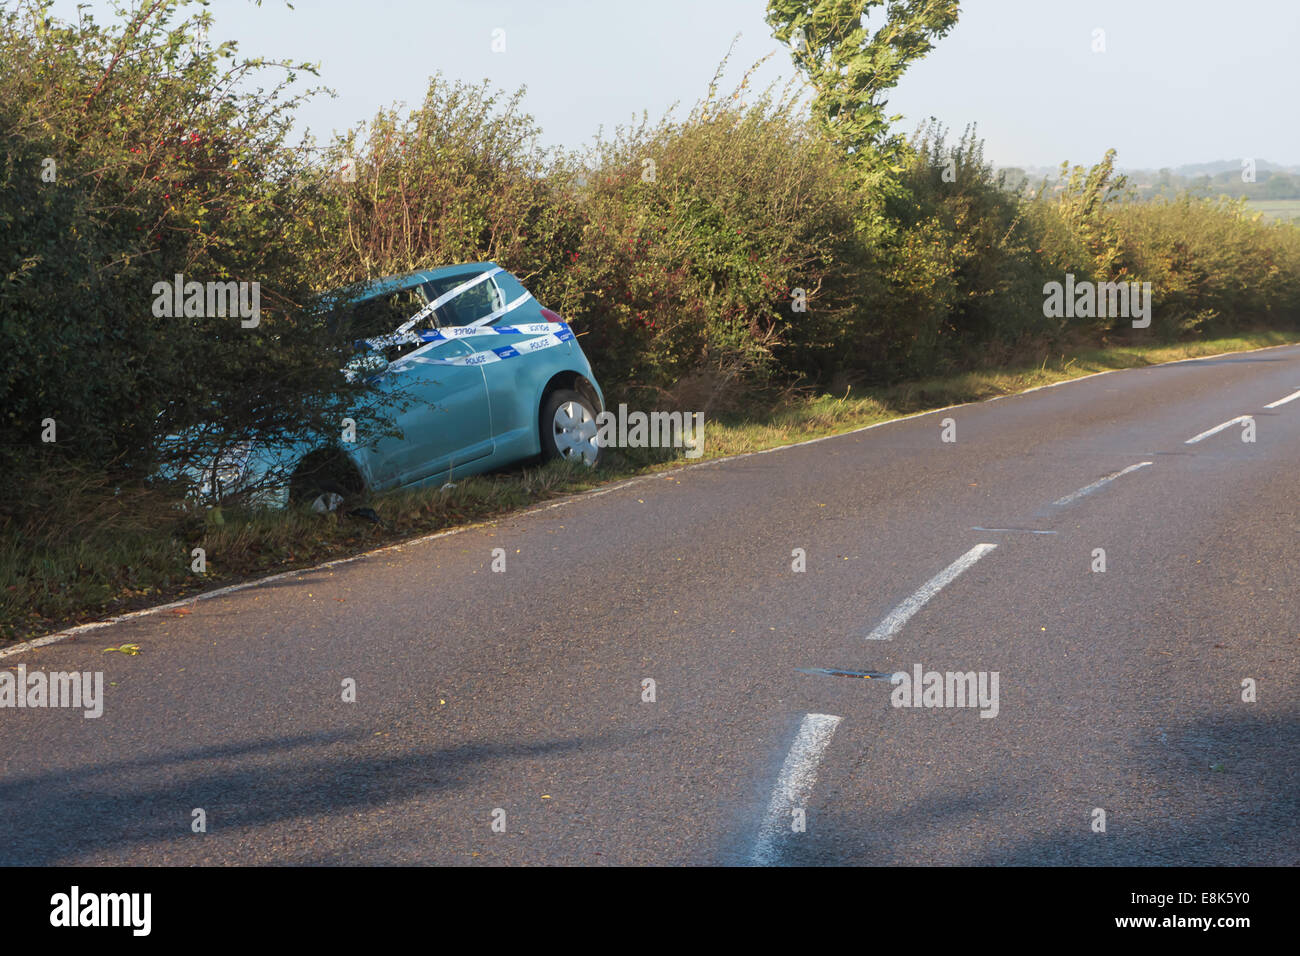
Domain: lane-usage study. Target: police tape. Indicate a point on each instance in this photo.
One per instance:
(445, 298)
(549, 335)
(449, 333)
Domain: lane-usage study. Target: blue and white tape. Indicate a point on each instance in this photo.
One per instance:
(462, 332)
(446, 297)
(549, 335)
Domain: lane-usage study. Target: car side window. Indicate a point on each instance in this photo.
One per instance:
(381, 315)
(511, 288)
(377, 315)
(467, 308)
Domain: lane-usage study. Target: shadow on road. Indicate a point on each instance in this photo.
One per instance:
(1215, 792)
(57, 817)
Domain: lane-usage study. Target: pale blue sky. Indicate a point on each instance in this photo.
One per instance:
(1180, 81)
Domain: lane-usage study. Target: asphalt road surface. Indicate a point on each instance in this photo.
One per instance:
(502, 717)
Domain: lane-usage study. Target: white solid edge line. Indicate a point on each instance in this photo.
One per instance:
(1202, 358)
(594, 493)
(1282, 401)
(1089, 489)
(794, 784)
(896, 618)
(1216, 429)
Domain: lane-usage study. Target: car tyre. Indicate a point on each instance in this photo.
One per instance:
(568, 428)
(323, 484)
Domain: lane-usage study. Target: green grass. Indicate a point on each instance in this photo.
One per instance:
(826, 414)
(89, 562)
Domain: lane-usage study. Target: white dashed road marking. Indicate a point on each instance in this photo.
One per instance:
(894, 622)
(1282, 401)
(1216, 429)
(794, 785)
(1099, 483)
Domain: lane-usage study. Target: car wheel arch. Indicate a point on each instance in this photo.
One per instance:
(574, 381)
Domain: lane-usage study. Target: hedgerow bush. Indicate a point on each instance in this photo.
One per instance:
(130, 155)
(965, 268)
(723, 241)
(671, 246)
(461, 178)
(1213, 266)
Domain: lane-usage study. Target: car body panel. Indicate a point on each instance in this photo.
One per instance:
(446, 419)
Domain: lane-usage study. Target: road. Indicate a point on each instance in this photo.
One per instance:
(516, 698)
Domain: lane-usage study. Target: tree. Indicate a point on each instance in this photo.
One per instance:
(850, 67)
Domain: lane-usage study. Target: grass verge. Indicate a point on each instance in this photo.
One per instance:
(86, 570)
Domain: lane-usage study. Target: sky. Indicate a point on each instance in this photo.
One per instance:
(1174, 81)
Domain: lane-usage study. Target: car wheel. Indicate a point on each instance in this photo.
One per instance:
(568, 425)
(323, 484)
(320, 495)
(327, 500)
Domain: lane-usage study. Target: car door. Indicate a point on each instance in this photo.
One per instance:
(513, 385)
(441, 411)
(440, 408)
(463, 425)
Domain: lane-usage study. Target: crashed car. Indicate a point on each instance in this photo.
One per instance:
(479, 374)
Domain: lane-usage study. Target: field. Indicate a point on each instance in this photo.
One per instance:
(1282, 209)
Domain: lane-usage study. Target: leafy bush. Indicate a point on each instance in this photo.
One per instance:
(129, 158)
(964, 267)
(1213, 266)
(695, 237)
(459, 179)
(669, 246)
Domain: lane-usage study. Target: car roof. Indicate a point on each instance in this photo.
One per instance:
(407, 280)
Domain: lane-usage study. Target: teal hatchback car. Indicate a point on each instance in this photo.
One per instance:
(477, 373)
